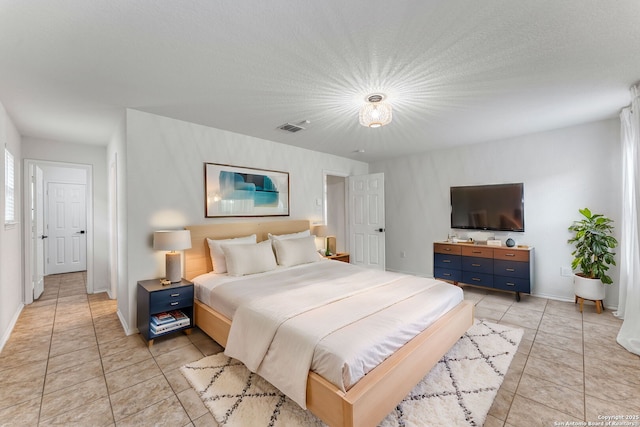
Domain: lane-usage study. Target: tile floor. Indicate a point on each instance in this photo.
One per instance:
(68, 362)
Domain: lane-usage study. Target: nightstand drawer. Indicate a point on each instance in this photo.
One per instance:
(170, 299)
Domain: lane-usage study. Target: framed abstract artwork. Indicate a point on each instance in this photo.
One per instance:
(240, 191)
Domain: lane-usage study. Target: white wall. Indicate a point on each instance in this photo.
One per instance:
(165, 183)
(96, 158)
(116, 160)
(11, 294)
(562, 171)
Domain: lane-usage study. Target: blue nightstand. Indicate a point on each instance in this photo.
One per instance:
(155, 299)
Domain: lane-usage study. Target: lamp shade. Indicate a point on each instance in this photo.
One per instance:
(172, 240)
(320, 230)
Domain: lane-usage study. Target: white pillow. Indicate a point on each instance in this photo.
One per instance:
(297, 235)
(217, 255)
(249, 258)
(290, 252)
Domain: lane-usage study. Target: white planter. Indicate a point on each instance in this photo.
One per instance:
(589, 289)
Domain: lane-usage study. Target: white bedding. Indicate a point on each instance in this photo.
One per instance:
(350, 318)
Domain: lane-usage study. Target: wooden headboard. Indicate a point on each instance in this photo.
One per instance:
(197, 259)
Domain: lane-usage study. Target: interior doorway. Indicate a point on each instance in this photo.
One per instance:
(335, 209)
(71, 245)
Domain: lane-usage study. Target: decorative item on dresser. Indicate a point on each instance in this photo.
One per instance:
(164, 309)
(507, 269)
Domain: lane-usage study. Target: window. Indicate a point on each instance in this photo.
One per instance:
(9, 188)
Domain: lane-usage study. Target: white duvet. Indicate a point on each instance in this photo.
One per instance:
(336, 319)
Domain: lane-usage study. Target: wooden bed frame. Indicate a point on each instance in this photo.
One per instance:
(377, 393)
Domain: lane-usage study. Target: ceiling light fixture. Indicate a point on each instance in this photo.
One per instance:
(375, 113)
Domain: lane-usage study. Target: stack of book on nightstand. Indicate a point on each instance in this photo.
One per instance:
(168, 321)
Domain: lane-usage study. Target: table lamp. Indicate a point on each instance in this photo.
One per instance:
(320, 230)
(172, 240)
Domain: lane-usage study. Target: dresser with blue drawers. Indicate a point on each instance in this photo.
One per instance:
(155, 298)
(507, 269)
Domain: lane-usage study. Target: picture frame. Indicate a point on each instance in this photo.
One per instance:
(238, 191)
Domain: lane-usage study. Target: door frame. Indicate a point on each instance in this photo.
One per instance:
(325, 174)
(28, 223)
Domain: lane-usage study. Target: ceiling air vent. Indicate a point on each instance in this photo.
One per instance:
(291, 128)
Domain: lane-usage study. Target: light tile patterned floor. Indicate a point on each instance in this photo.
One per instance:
(68, 362)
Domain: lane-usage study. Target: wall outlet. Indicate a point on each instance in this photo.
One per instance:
(566, 271)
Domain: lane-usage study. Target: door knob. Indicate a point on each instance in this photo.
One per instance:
(43, 237)
(381, 230)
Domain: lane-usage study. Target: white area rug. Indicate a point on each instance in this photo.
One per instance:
(459, 390)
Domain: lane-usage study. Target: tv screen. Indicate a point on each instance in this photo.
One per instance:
(488, 207)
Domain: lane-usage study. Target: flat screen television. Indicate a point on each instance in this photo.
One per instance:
(488, 207)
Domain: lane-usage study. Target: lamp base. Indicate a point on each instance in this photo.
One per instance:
(173, 267)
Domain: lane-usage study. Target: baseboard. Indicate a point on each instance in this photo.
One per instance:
(12, 324)
(125, 326)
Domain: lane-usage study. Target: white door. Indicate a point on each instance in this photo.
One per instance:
(366, 220)
(66, 228)
(37, 235)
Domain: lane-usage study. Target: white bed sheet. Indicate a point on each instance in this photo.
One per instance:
(345, 356)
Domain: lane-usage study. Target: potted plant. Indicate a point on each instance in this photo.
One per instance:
(593, 254)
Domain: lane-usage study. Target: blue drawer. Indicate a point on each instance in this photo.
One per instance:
(170, 299)
(451, 262)
(516, 284)
(447, 274)
(480, 279)
(477, 265)
(511, 268)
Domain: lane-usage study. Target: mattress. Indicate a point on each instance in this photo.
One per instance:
(348, 353)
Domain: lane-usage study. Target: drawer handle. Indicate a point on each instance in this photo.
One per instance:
(475, 279)
(447, 249)
(475, 265)
(175, 295)
(175, 303)
(446, 260)
(446, 274)
(509, 254)
(476, 252)
(510, 284)
(510, 269)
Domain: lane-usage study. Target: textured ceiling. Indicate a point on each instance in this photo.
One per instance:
(456, 72)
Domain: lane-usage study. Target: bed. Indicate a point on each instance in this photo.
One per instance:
(375, 394)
